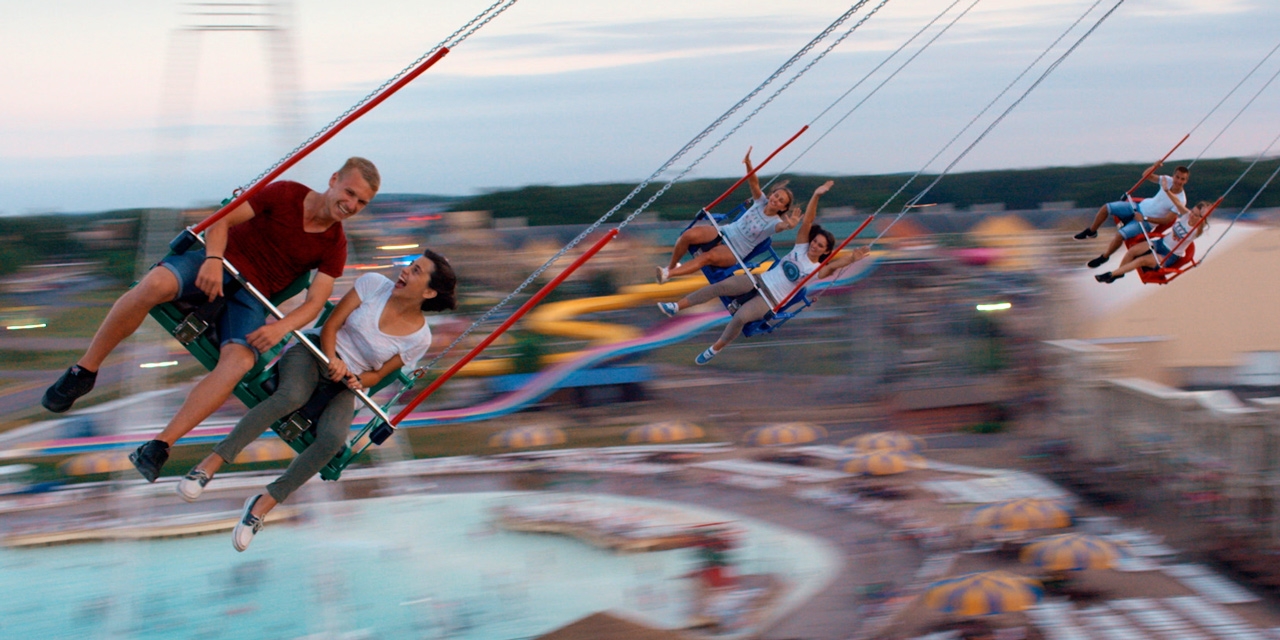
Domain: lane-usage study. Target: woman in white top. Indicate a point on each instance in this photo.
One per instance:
(1170, 248)
(765, 217)
(813, 246)
(376, 328)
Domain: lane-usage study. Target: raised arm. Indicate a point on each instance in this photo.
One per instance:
(811, 211)
(1182, 208)
(1151, 174)
(843, 260)
(753, 180)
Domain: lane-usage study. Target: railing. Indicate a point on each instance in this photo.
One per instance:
(1179, 441)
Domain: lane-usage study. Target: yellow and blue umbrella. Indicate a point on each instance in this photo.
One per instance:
(885, 441)
(86, 464)
(983, 593)
(671, 431)
(785, 433)
(264, 450)
(529, 436)
(1021, 515)
(882, 463)
(1071, 552)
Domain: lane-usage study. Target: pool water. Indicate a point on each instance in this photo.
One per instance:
(422, 566)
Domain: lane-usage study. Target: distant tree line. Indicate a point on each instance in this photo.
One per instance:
(1017, 189)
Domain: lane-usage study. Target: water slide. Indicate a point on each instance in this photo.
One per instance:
(608, 341)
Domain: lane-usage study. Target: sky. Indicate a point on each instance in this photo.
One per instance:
(117, 105)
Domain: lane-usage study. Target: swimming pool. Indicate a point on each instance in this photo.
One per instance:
(423, 566)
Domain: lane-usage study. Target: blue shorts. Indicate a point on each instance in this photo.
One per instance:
(1129, 228)
(1167, 259)
(242, 315)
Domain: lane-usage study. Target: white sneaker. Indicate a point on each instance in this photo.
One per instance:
(705, 356)
(192, 485)
(664, 274)
(248, 526)
(669, 308)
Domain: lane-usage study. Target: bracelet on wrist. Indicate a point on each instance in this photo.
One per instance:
(218, 258)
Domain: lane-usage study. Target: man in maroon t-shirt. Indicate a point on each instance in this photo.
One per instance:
(281, 233)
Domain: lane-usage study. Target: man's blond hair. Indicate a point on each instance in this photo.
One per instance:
(366, 169)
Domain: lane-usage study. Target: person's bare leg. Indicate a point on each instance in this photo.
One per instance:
(1145, 261)
(1100, 218)
(696, 234)
(720, 256)
(234, 361)
(126, 315)
(1114, 245)
(264, 504)
(211, 464)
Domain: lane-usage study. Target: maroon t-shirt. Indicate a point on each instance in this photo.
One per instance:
(271, 249)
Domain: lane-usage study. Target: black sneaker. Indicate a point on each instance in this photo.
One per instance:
(1105, 277)
(1086, 234)
(149, 458)
(74, 383)
(1098, 261)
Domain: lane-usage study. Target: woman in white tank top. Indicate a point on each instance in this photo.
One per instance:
(377, 328)
(765, 217)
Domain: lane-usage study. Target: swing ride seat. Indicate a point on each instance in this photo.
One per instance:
(759, 254)
(1159, 275)
(259, 382)
(1165, 275)
(799, 302)
(299, 436)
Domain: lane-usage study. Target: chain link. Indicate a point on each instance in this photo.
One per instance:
(1051, 68)
(452, 41)
(665, 166)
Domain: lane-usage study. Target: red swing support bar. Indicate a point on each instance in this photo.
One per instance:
(244, 196)
(800, 285)
(1147, 174)
(1165, 275)
(524, 308)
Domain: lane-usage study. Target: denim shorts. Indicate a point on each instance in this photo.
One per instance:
(242, 315)
(1167, 258)
(1130, 228)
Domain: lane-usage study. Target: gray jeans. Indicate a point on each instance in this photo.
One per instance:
(300, 373)
(754, 309)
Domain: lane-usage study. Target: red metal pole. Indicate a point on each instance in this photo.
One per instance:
(315, 144)
(782, 303)
(529, 304)
(1147, 174)
(755, 170)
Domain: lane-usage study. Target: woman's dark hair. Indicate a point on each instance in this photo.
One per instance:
(443, 281)
(817, 230)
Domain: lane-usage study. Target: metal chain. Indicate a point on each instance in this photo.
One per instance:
(654, 176)
(882, 82)
(747, 118)
(1051, 68)
(1229, 93)
(1237, 116)
(452, 41)
(1246, 171)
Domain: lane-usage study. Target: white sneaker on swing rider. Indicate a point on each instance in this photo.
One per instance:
(664, 274)
(706, 356)
(248, 526)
